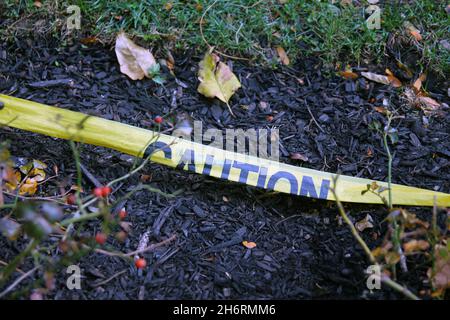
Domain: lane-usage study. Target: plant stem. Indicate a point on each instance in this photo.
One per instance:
(9, 269)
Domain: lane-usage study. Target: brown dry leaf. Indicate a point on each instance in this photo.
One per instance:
(134, 60)
(412, 30)
(248, 244)
(441, 275)
(376, 77)
(393, 80)
(29, 187)
(13, 181)
(415, 245)
(382, 110)
(428, 103)
(216, 79)
(37, 4)
(89, 40)
(417, 86)
(348, 74)
(364, 224)
(392, 257)
(283, 56)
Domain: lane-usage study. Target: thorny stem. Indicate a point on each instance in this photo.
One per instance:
(384, 278)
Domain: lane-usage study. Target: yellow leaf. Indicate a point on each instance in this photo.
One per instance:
(283, 56)
(29, 187)
(248, 244)
(168, 6)
(134, 60)
(216, 79)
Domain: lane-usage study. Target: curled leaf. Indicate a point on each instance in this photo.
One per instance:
(29, 187)
(283, 55)
(393, 80)
(216, 79)
(417, 86)
(364, 224)
(248, 244)
(134, 60)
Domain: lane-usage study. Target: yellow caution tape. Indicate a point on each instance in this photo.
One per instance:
(202, 159)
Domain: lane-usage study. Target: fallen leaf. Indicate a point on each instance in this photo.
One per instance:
(417, 86)
(393, 80)
(248, 244)
(440, 276)
(364, 224)
(89, 40)
(29, 187)
(376, 77)
(283, 56)
(37, 4)
(216, 79)
(428, 103)
(299, 156)
(134, 60)
(415, 245)
(405, 68)
(382, 110)
(348, 74)
(412, 30)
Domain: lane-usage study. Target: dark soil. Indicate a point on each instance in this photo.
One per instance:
(302, 249)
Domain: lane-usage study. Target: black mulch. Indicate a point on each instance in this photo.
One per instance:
(302, 249)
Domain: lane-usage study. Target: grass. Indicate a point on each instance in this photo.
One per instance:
(337, 34)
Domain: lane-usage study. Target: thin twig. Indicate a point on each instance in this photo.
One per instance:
(129, 254)
(18, 280)
(110, 278)
(313, 118)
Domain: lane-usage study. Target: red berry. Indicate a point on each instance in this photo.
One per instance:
(98, 192)
(140, 263)
(100, 238)
(158, 119)
(71, 199)
(122, 214)
(106, 191)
